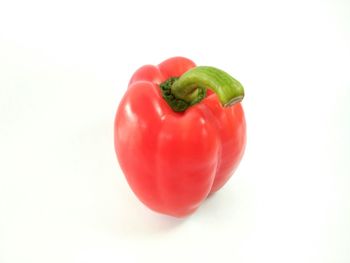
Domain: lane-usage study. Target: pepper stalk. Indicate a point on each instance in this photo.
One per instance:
(190, 88)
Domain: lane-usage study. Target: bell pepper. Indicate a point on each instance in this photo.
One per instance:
(179, 134)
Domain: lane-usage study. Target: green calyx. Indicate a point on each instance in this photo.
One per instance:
(189, 89)
(175, 103)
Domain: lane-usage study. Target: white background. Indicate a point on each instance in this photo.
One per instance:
(64, 66)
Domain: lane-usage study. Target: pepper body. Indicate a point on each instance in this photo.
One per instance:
(173, 161)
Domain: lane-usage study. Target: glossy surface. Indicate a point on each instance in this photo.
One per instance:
(173, 161)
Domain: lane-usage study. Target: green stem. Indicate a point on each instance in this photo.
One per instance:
(190, 88)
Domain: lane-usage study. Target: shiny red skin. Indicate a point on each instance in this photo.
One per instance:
(173, 161)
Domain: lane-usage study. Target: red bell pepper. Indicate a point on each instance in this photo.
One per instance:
(175, 141)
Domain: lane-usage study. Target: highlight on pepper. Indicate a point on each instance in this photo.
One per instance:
(179, 134)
